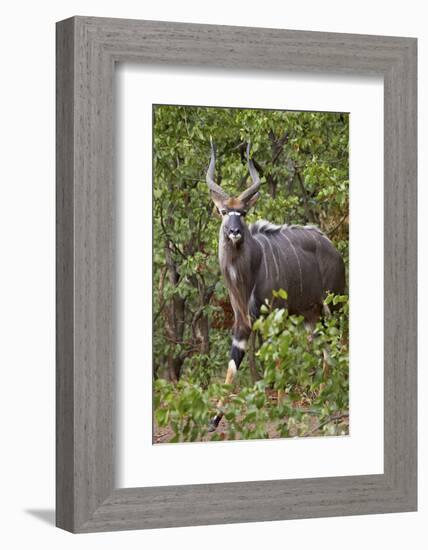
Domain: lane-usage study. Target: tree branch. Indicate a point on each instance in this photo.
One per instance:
(332, 418)
(161, 299)
(336, 227)
(309, 214)
(170, 241)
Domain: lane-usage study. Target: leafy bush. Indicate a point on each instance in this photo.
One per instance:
(293, 362)
(302, 158)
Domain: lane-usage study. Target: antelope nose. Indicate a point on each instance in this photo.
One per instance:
(234, 232)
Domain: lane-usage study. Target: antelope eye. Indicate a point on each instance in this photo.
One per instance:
(223, 212)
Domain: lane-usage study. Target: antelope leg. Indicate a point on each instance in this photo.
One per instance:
(237, 353)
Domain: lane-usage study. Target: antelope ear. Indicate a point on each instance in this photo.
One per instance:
(217, 199)
(249, 203)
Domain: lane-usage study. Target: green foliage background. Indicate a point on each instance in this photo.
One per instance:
(302, 158)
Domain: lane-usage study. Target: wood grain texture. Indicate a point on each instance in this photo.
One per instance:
(64, 277)
(87, 49)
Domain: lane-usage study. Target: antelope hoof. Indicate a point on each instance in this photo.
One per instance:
(214, 423)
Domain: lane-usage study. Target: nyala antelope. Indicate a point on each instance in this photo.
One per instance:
(259, 258)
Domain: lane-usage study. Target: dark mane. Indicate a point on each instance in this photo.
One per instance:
(263, 226)
(267, 228)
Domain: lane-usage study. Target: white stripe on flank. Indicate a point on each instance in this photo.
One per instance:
(273, 255)
(298, 261)
(263, 254)
(311, 235)
(240, 344)
(325, 237)
(282, 254)
(317, 230)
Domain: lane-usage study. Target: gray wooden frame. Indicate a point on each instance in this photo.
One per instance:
(87, 50)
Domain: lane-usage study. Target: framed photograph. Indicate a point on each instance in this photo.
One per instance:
(229, 280)
(236, 274)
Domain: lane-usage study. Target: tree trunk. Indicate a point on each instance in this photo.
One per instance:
(203, 335)
(174, 320)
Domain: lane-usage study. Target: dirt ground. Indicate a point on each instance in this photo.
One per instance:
(164, 434)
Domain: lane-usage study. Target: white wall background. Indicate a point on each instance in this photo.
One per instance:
(27, 272)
